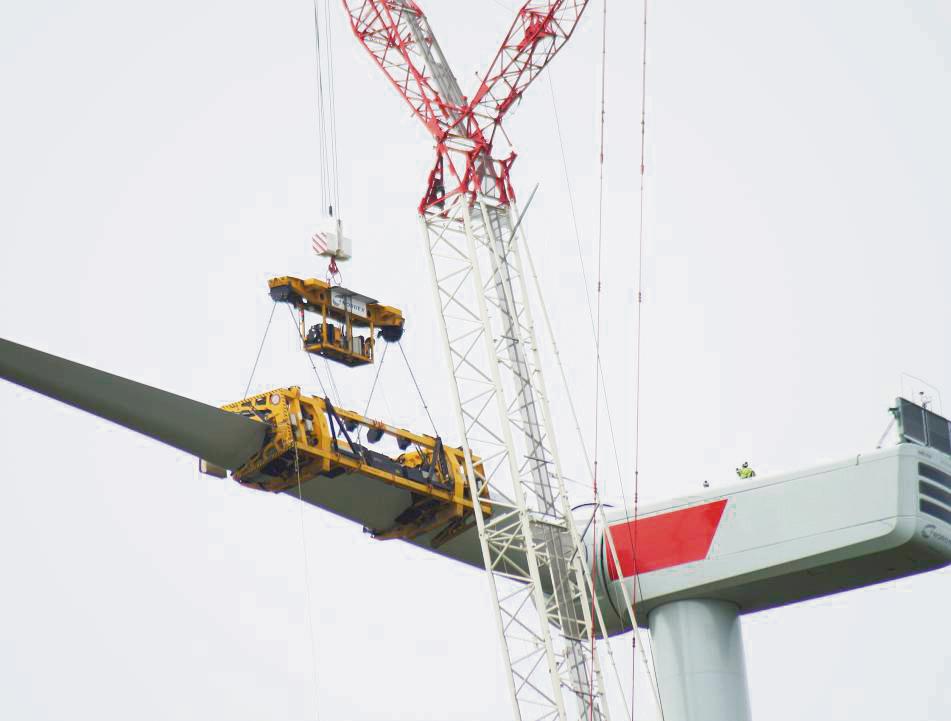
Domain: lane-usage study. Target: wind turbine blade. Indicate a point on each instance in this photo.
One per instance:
(223, 438)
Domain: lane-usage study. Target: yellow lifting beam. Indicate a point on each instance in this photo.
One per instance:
(343, 314)
(311, 437)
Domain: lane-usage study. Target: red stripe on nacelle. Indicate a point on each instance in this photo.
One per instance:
(669, 539)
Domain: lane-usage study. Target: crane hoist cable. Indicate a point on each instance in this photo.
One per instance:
(333, 104)
(596, 330)
(638, 341)
(640, 299)
(587, 293)
(326, 114)
(599, 509)
(640, 271)
(597, 337)
(648, 662)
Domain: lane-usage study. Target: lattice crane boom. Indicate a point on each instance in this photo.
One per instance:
(396, 36)
(497, 387)
(538, 32)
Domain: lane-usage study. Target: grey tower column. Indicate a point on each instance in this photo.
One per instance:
(698, 653)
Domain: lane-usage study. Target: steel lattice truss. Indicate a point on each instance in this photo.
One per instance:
(536, 564)
(501, 403)
(398, 37)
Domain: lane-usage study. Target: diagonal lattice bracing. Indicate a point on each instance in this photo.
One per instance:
(530, 546)
(536, 564)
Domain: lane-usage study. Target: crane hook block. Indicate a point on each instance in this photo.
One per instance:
(345, 322)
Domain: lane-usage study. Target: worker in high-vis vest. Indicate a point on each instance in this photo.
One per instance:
(745, 471)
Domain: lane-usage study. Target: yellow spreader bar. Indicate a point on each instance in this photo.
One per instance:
(309, 437)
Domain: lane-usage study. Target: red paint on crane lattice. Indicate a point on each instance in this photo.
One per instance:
(398, 38)
(669, 539)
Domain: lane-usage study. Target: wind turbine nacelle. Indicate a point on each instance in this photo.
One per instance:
(777, 540)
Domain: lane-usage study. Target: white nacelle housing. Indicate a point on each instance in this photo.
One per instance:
(777, 540)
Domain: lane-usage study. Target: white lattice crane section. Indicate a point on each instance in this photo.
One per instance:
(537, 572)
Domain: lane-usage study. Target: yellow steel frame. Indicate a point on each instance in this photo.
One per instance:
(304, 441)
(316, 296)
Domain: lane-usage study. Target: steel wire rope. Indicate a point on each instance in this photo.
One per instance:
(600, 369)
(382, 384)
(587, 291)
(325, 197)
(333, 106)
(510, 9)
(598, 508)
(376, 377)
(307, 596)
(607, 406)
(333, 382)
(637, 338)
(389, 408)
(260, 348)
(597, 336)
(300, 498)
(418, 390)
(326, 113)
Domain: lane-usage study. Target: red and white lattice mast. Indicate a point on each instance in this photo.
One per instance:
(468, 218)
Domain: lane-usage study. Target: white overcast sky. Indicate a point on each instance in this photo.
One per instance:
(158, 162)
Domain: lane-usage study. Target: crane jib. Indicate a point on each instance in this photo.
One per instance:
(469, 219)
